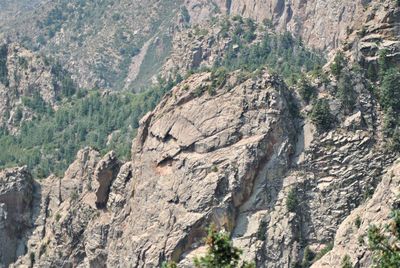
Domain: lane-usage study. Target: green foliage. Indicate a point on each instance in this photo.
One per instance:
(221, 253)
(383, 62)
(292, 200)
(49, 143)
(197, 31)
(74, 195)
(384, 242)
(308, 258)
(225, 27)
(3, 65)
(338, 64)
(57, 217)
(218, 77)
(372, 73)
(358, 221)
(324, 251)
(346, 93)
(346, 262)
(36, 103)
(116, 17)
(306, 90)
(281, 53)
(169, 264)
(32, 258)
(390, 101)
(321, 115)
(62, 82)
(390, 90)
(262, 230)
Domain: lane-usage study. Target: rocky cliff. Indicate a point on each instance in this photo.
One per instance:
(350, 238)
(28, 82)
(16, 195)
(229, 157)
(126, 47)
(238, 149)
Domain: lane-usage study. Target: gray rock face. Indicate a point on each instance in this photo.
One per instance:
(322, 24)
(197, 158)
(106, 171)
(73, 216)
(28, 76)
(227, 157)
(375, 211)
(16, 188)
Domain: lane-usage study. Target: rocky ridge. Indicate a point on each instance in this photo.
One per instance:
(120, 49)
(30, 80)
(226, 157)
(230, 155)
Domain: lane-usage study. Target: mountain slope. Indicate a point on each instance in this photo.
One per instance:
(110, 44)
(253, 134)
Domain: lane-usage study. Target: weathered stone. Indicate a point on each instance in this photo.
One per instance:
(106, 172)
(375, 211)
(16, 189)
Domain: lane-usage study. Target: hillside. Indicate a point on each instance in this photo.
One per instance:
(129, 127)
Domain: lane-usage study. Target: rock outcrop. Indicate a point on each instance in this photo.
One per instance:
(198, 158)
(71, 222)
(230, 152)
(350, 238)
(16, 194)
(30, 82)
(229, 155)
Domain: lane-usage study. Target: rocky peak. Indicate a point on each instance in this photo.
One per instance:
(106, 172)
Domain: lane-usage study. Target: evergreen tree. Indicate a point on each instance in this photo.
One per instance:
(390, 90)
(221, 253)
(321, 115)
(384, 242)
(338, 64)
(346, 93)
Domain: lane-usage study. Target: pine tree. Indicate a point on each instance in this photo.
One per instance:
(384, 242)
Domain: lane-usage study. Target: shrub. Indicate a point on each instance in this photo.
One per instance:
(325, 250)
(221, 253)
(3, 65)
(338, 64)
(306, 90)
(199, 91)
(291, 200)
(308, 257)
(57, 217)
(346, 93)
(74, 195)
(384, 241)
(346, 262)
(383, 62)
(321, 115)
(390, 90)
(169, 264)
(358, 221)
(262, 229)
(32, 258)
